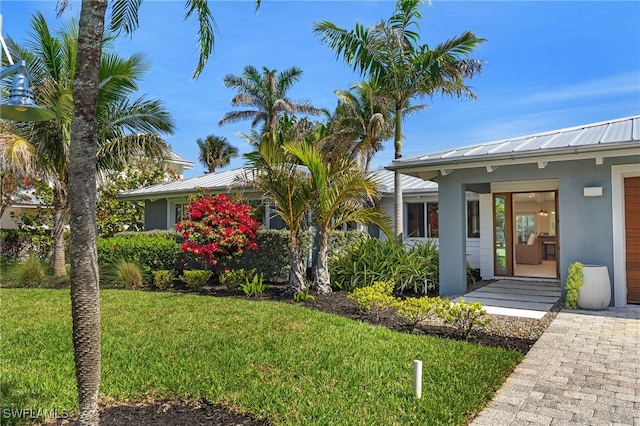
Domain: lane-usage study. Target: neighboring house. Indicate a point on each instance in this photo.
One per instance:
(545, 200)
(165, 203)
(27, 203)
(176, 164)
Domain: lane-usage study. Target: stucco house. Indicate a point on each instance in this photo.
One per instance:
(545, 200)
(164, 204)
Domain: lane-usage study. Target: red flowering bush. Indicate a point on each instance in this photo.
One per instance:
(216, 227)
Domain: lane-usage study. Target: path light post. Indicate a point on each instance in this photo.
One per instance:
(20, 104)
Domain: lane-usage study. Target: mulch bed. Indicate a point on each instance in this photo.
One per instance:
(505, 332)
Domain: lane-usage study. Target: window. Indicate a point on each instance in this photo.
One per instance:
(419, 224)
(432, 212)
(473, 219)
(415, 220)
(525, 226)
(180, 212)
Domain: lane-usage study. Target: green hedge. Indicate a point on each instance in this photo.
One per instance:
(169, 234)
(272, 257)
(148, 251)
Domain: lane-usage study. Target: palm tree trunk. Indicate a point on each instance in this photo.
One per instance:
(60, 209)
(397, 182)
(85, 300)
(322, 279)
(297, 278)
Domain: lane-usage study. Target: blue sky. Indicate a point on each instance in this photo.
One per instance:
(549, 65)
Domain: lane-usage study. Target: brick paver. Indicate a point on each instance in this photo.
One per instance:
(584, 370)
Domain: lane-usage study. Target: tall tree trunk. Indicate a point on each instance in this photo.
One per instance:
(297, 276)
(322, 280)
(60, 209)
(397, 182)
(85, 297)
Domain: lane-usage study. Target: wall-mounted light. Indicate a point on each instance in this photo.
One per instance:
(592, 191)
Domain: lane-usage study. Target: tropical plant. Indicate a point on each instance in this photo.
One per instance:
(85, 299)
(215, 152)
(303, 296)
(573, 284)
(366, 116)
(372, 260)
(391, 55)
(216, 228)
(254, 286)
(266, 94)
(341, 192)
(16, 166)
(288, 189)
(127, 126)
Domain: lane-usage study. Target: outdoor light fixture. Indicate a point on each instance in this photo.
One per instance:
(20, 105)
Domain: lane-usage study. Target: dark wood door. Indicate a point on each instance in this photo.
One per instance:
(632, 232)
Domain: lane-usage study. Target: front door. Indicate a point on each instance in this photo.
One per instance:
(525, 239)
(632, 233)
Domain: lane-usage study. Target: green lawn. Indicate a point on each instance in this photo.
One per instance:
(282, 362)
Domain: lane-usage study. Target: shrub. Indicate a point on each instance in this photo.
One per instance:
(573, 284)
(340, 241)
(272, 256)
(30, 272)
(234, 278)
(375, 298)
(217, 228)
(149, 252)
(464, 316)
(13, 243)
(163, 278)
(196, 279)
(417, 309)
(124, 273)
(168, 234)
(372, 260)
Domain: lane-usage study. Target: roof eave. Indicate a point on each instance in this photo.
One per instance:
(430, 169)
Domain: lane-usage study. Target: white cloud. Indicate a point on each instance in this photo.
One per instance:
(627, 83)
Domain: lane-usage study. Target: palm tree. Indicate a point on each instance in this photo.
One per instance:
(390, 54)
(127, 129)
(366, 115)
(266, 95)
(339, 189)
(216, 152)
(85, 301)
(287, 187)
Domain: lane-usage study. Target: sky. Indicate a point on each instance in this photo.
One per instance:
(547, 64)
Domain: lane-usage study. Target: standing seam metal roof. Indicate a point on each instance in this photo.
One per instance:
(619, 131)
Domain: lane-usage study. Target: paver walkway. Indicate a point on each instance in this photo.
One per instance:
(584, 370)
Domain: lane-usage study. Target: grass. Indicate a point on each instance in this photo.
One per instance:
(282, 362)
